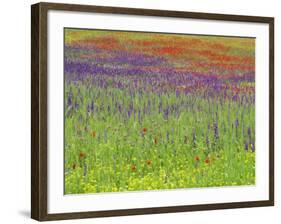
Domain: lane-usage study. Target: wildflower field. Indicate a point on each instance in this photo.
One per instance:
(150, 111)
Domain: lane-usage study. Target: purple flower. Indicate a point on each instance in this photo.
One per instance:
(253, 146)
(92, 106)
(88, 108)
(249, 132)
(216, 131)
(236, 123)
(246, 146)
(177, 93)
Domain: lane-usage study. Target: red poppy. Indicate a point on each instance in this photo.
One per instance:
(144, 130)
(149, 162)
(171, 50)
(207, 160)
(82, 155)
(197, 158)
(133, 168)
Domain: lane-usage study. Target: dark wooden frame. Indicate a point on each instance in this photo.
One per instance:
(39, 110)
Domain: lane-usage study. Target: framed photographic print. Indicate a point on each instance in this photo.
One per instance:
(140, 111)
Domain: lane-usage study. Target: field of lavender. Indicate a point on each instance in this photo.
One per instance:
(147, 111)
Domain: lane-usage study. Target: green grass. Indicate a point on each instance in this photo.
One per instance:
(108, 151)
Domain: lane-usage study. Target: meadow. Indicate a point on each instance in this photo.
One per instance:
(147, 111)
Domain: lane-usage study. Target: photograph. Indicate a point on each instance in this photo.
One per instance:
(152, 111)
(139, 111)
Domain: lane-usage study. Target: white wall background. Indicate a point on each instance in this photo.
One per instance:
(15, 111)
